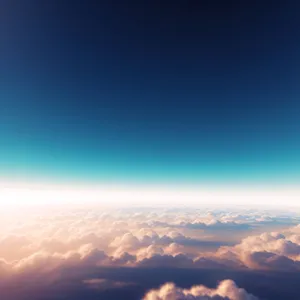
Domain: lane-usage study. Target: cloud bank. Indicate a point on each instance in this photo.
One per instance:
(72, 247)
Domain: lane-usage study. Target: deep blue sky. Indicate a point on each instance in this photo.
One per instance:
(150, 90)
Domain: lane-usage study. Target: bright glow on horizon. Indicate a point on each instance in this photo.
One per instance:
(14, 194)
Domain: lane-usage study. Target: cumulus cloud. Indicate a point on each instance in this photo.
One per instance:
(280, 251)
(226, 290)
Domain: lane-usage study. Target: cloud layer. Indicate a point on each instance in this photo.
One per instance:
(60, 247)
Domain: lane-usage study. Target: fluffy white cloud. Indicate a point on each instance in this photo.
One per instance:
(226, 290)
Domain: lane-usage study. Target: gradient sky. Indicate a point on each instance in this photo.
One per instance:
(187, 91)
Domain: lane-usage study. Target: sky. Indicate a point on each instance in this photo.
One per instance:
(149, 150)
(150, 92)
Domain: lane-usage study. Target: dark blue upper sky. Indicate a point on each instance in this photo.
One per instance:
(150, 90)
